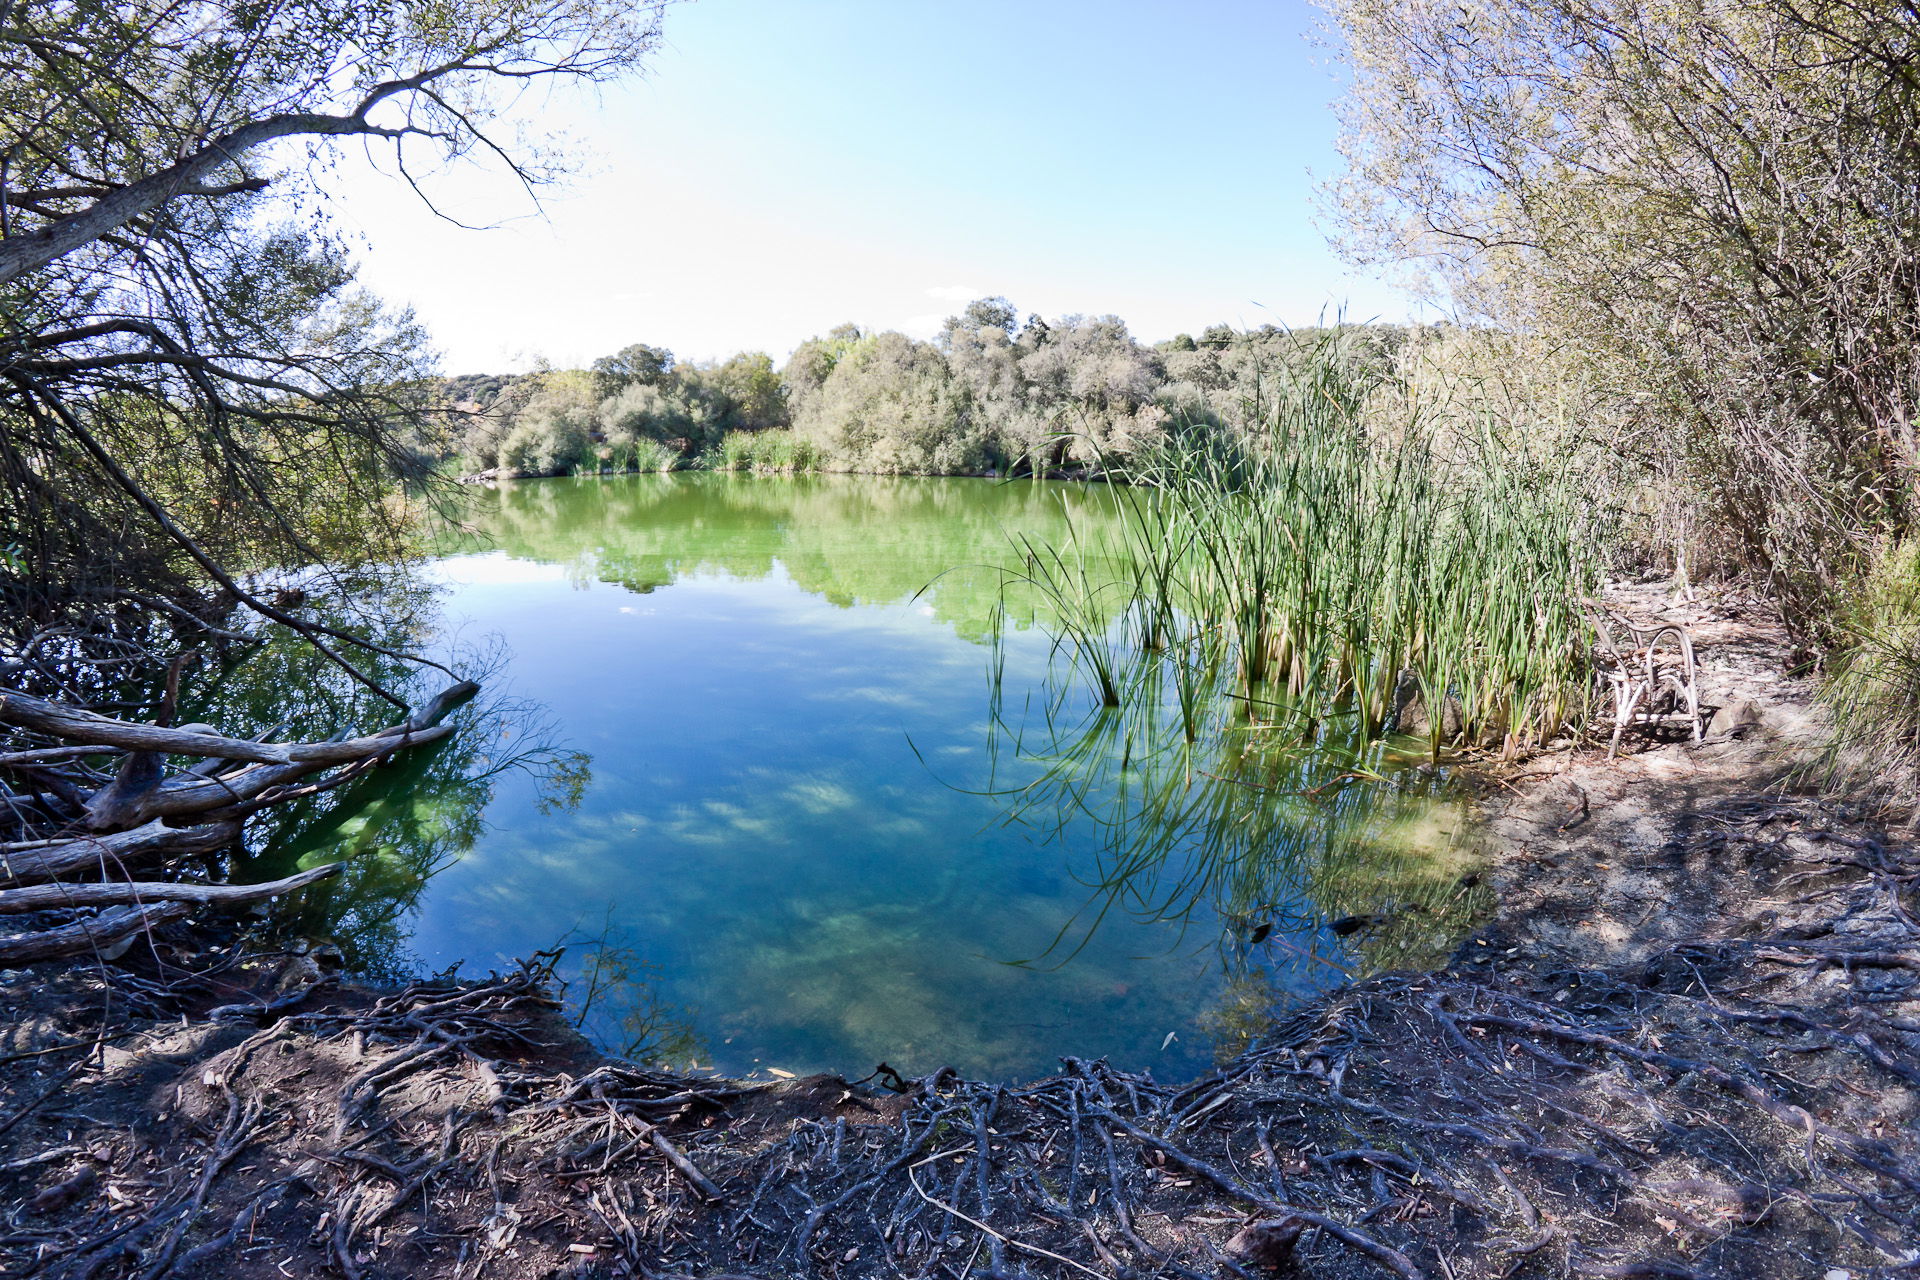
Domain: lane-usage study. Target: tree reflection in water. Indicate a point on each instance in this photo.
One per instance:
(1305, 864)
(1196, 819)
(397, 827)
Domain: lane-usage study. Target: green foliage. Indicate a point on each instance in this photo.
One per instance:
(1873, 684)
(555, 432)
(1711, 212)
(774, 450)
(1074, 396)
(890, 406)
(639, 363)
(635, 410)
(1345, 548)
(637, 455)
(812, 363)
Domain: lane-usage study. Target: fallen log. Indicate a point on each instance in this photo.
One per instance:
(130, 814)
(27, 712)
(46, 897)
(141, 792)
(190, 794)
(97, 933)
(36, 861)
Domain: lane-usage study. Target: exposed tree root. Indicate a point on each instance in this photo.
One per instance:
(1727, 1107)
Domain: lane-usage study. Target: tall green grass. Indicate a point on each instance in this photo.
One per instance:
(637, 455)
(1872, 685)
(1326, 560)
(770, 450)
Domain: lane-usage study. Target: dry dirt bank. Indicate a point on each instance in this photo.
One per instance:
(1687, 1045)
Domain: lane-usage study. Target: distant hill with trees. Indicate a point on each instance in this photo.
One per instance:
(989, 394)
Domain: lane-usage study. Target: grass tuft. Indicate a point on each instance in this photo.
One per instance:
(1328, 566)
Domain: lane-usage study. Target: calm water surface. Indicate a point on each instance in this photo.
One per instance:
(799, 800)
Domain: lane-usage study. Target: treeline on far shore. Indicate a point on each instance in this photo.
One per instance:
(989, 395)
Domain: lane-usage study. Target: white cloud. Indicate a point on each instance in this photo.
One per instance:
(955, 293)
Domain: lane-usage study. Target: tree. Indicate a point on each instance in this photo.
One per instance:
(985, 362)
(639, 363)
(812, 363)
(988, 313)
(1716, 206)
(642, 412)
(554, 432)
(890, 405)
(190, 383)
(1093, 382)
(753, 388)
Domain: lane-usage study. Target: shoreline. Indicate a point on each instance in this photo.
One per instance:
(1687, 1044)
(496, 476)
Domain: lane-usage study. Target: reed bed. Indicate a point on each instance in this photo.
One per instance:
(769, 450)
(1270, 621)
(635, 455)
(1327, 565)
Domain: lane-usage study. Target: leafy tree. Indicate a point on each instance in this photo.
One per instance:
(189, 378)
(979, 398)
(890, 405)
(1092, 390)
(985, 362)
(642, 412)
(812, 363)
(1717, 207)
(745, 391)
(554, 433)
(648, 366)
(990, 313)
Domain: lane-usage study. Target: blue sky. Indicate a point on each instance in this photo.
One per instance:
(787, 165)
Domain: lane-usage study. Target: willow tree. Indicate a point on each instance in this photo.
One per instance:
(190, 380)
(1713, 205)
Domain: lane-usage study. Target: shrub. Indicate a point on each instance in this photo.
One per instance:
(1872, 686)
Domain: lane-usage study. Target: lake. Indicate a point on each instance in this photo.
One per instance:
(795, 770)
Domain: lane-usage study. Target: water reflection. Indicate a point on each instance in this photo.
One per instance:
(805, 791)
(870, 540)
(393, 828)
(1306, 866)
(615, 998)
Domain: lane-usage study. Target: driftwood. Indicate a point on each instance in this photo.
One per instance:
(142, 792)
(93, 933)
(46, 897)
(96, 832)
(1649, 685)
(96, 730)
(35, 861)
